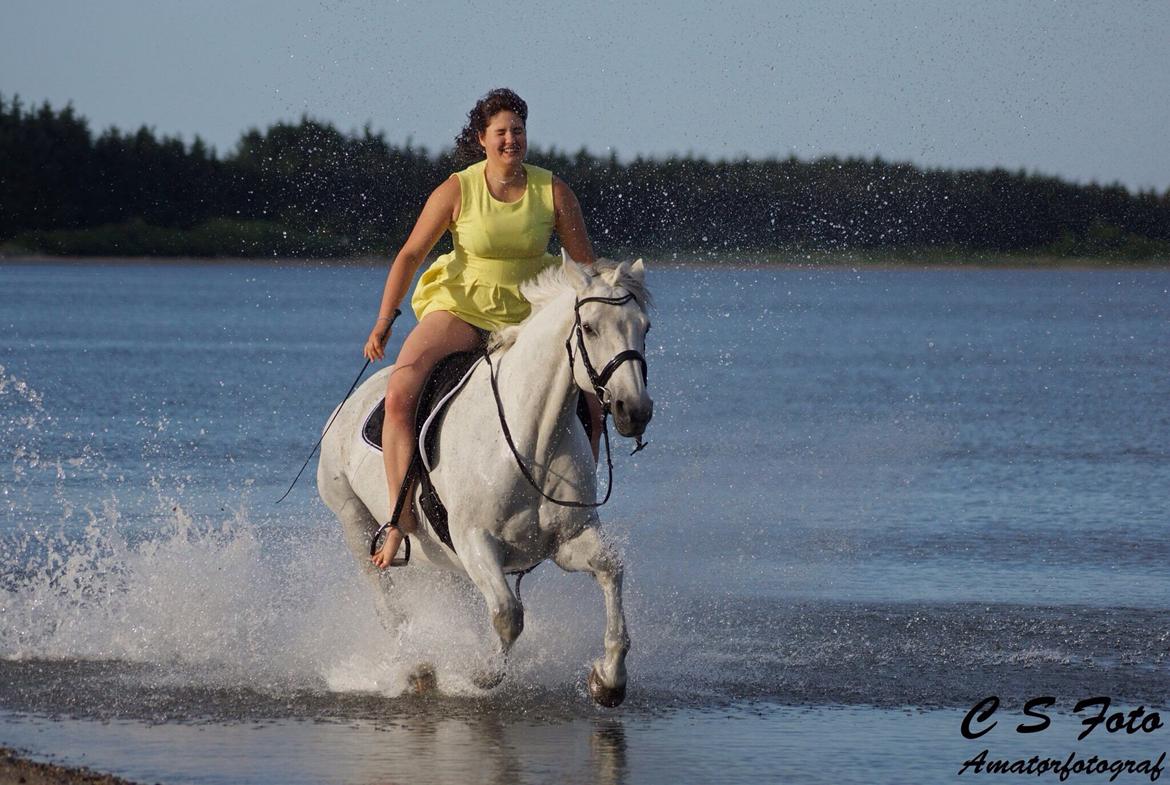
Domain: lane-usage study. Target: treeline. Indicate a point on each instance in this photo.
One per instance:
(308, 189)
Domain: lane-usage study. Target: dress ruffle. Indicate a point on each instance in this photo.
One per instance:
(475, 292)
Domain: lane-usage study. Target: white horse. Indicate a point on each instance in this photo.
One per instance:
(499, 522)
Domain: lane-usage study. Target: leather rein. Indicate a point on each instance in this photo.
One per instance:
(597, 379)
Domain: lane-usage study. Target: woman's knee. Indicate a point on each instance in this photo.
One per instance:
(401, 394)
(437, 335)
(400, 408)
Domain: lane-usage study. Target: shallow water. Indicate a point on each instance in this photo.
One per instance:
(872, 498)
(763, 743)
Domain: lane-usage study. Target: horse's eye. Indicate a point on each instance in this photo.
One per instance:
(587, 327)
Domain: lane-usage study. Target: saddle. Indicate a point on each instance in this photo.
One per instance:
(440, 388)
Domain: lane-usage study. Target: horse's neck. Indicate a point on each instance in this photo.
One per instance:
(536, 381)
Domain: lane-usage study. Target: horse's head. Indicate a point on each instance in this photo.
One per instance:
(608, 341)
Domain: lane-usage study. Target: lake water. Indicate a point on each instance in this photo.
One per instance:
(872, 498)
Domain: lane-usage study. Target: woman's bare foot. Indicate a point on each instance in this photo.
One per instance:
(385, 555)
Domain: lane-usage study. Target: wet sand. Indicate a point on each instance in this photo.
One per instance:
(15, 770)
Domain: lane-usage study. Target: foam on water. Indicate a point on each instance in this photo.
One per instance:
(220, 603)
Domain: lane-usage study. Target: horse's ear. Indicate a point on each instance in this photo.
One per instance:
(638, 270)
(613, 276)
(574, 272)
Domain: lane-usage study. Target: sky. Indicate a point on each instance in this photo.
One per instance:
(1075, 89)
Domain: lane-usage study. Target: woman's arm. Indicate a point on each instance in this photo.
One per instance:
(575, 240)
(437, 214)
(570, 223)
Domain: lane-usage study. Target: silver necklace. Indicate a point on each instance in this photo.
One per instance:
(518, 176)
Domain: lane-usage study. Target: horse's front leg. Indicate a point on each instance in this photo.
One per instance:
(588, 552)
(483, 560)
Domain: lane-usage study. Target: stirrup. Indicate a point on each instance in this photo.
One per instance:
(396, 561)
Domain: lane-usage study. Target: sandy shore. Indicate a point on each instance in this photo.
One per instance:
(16, 770)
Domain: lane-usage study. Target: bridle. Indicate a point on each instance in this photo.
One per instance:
(599, 380)
(596, 379)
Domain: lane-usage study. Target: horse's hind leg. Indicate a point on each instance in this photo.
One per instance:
(588, 552)
(480, 553)
(358, 527)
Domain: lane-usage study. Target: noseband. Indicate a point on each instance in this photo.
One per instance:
(598, 380)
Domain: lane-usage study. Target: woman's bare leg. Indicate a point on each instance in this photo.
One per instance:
(439, 333)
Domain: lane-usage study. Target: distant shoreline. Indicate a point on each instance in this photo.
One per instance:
(779, 261)
(308, 189)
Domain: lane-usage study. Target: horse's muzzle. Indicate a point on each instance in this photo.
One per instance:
(631, 419)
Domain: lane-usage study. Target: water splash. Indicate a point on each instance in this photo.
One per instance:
(242, 601)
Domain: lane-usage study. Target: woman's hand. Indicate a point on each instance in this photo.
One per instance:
(375, 348)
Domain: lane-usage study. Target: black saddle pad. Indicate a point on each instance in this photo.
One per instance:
(446, 374)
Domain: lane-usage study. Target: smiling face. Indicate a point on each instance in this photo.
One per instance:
(505, 140)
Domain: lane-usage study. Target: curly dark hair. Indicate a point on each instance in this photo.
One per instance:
(467, 146)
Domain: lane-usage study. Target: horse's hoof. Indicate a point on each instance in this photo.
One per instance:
(422, 680)
(609, 697)
(487, 679)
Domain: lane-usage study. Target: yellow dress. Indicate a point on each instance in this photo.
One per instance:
(497, 245)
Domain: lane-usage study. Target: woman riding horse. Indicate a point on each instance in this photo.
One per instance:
(501, 213)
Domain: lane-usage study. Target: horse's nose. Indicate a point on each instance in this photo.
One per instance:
(641, 415)
(631, 419)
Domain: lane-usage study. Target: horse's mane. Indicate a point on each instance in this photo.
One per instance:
(552, 281)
